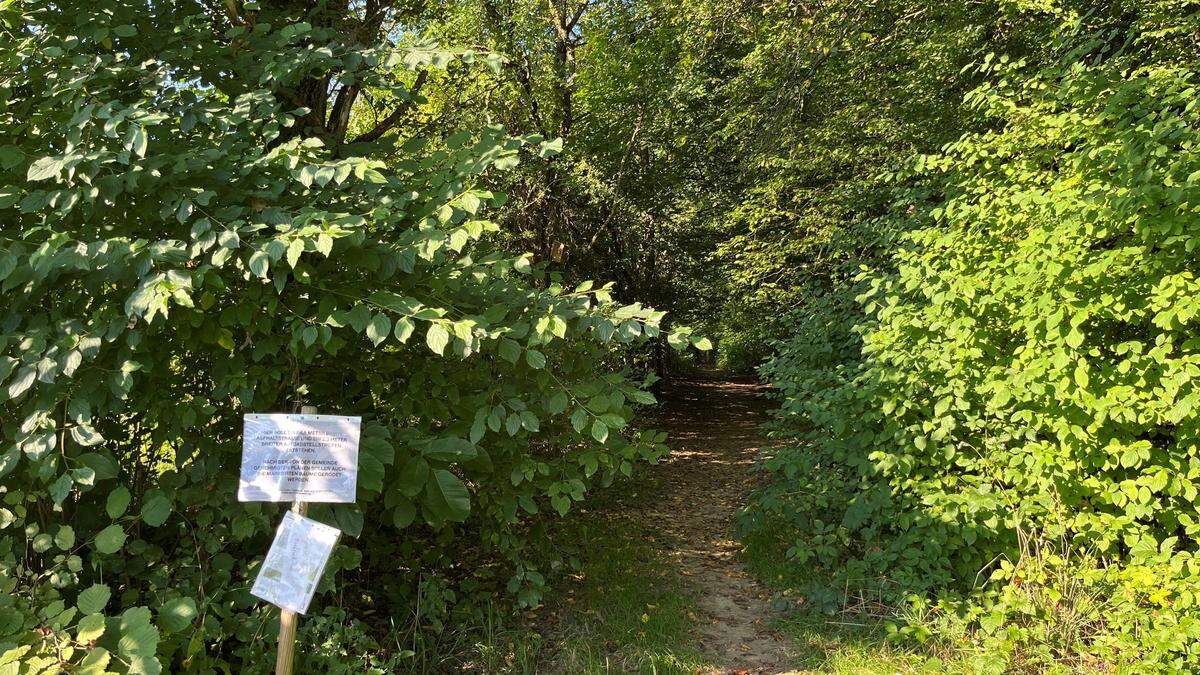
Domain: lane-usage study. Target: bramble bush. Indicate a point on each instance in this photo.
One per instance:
(182, 243)
(1028, 368)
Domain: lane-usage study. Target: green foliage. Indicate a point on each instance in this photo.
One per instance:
(183, 244)
(1027, 362)
(816, 105)
(624, 88)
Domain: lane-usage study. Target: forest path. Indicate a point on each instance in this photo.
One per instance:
(713, 428)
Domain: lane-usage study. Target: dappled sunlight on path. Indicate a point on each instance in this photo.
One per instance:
(714, 437)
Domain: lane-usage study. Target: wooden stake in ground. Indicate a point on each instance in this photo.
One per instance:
(285, 653)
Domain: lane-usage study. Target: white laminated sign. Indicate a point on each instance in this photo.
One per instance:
(294, 565)
(309, 458)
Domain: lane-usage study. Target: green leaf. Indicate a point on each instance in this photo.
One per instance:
(95, 663)
(599, 431)
(379, 328)
(110, 540)
(1081, 376)
(139, 637)
(135, 141)
(413, 476)
(294, 251)
(65, 537)
(307, 174)
(259, 261)
(9, 460)
(90, 628)
(46, 167)
(85, 435)
(404, 513)
(323, 175)
(404, 329)
(324, 244)
(60, 489)
(118, 501)
(579, 420)
(10, 157)
(450, 449)
(479, 426)
(446, 496)
(509, 350)
(42, 543)
(612, 421)
(22, 382)
(1130, 458)
(177, 614)
(348, 518)
(103, 464)
(94, 599)
(156, 508)
(550, 148)
(437, 338)
(535, 359)
(145, 665)
(557, 403)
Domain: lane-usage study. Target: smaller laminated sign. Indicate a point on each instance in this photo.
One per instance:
(294, 565)
(308, 458)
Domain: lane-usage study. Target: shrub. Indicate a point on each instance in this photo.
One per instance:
(1034, 347)
(182, 243)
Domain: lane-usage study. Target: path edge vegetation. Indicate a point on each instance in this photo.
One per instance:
(988, 427)
(193, 235)
(959, 239)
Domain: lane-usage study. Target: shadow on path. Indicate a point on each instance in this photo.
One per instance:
(713, 428)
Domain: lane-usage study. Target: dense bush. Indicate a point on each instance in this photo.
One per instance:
(183, 243)
(1029, 368)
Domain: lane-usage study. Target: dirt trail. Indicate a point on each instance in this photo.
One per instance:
(714, 437)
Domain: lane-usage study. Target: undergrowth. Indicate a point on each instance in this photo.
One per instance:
(624, 609)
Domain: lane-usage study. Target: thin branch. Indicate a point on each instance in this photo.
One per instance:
(401, 110)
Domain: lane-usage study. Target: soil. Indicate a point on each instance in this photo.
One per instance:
(714, 435)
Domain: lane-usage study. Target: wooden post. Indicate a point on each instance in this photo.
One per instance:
(285, 651)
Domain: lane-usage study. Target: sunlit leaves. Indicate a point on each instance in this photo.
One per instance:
(177, 614)
(92, 600)
(436, 338)
(64, 539)
(258, 264)
(379, 328)
(404, 329)
(1023, 351)
(139, 638)
(135, 140)
(46, 167)
(182, 248)
(599, 431)
(90, 628)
